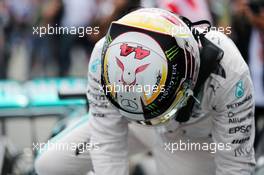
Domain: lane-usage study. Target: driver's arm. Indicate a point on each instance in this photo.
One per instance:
(234, 124)
(233, 106)
(108, 128)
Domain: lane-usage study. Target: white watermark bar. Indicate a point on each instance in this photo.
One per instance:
(117, 88)
(61, 30)
(61, 146)
(173, 147)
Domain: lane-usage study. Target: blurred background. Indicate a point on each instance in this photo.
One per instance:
(32, 66)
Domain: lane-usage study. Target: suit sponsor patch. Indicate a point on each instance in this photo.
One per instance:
(241, 119)
(240, 141)
(241, 129)
(237, 104)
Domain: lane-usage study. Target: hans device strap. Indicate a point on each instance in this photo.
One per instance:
(210, 57)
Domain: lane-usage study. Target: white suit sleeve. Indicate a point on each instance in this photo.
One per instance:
(234, 125)
(233, 105)
(108, 128)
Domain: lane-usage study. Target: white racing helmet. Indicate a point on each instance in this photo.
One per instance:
(150, 65)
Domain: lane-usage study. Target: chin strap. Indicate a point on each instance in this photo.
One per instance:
(210, 57)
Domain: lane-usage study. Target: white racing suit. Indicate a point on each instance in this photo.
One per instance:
(218, 138)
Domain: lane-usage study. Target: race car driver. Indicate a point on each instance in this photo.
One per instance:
(178, 88)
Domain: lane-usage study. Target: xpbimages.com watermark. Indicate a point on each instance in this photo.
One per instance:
(147, 89)
(182, 31)
(60, 30)
(196, 146)
(80, 147)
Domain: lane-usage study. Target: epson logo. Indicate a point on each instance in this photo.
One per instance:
(240, 141)
(242, 129)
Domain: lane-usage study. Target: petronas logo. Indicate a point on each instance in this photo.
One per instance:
(240, 90)
(172, 52)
